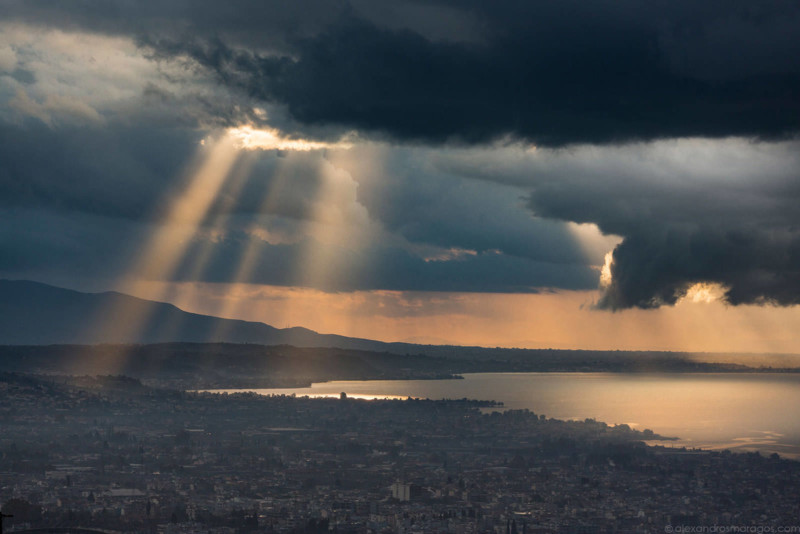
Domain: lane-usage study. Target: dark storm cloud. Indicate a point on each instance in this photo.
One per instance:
(690, 213)
(66, 248)
(553, 73)
(132, 170)
(117, 171)
(655, 267)
(261, 23)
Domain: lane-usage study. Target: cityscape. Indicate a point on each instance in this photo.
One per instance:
(109, 453)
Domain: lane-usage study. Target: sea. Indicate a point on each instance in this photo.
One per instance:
(744, 412)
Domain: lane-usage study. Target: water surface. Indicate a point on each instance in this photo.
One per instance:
(744, 412)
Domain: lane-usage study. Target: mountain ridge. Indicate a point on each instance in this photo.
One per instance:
(35, 313)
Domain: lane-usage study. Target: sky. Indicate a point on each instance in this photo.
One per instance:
(572, 174)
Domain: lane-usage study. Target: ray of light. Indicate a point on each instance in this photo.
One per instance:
(165, 247)
(327, 225)
(597, 248)
(705, 292)
(250, 138)
(216, 226)
(563, 319)
(248, 260)
(186, 215)
(161, 255)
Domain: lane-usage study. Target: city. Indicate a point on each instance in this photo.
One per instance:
(110, 453)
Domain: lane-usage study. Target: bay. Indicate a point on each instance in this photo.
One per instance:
(742, 412)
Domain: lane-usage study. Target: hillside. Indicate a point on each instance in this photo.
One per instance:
(36, 314)
(32, 313)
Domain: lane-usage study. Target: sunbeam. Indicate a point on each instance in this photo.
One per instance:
(218, 224)
(255, 237)
(173, 233)
(326, 221)
(168, 244)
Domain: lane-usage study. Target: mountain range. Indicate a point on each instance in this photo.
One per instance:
(33, 313)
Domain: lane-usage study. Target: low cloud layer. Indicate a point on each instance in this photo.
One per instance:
(92, 251)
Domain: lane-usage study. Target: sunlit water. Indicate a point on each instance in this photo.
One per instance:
(744, 412)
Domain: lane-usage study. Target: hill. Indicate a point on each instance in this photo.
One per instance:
(36, 314)
(32, 313)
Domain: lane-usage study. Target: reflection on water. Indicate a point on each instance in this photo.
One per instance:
(744, 412)
(367, 396)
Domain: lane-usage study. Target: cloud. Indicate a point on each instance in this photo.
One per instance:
(54, 108)
(65, 77)
(377, 266)
(108, 169)
(405, 190)
(250, 138)
(652, 268)
(550, 73)
(8, 58)
(566, 73)
(93, 250)
(669, 124)
(65, 247)
(75, 195)
(688, 211)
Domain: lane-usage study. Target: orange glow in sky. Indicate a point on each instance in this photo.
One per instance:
(563, 319)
